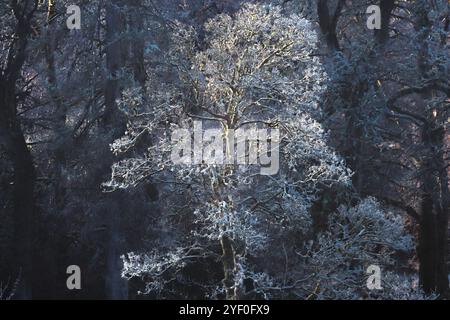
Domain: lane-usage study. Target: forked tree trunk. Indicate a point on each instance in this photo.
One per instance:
(386, 8)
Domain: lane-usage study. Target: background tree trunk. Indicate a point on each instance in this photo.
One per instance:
(114, 126)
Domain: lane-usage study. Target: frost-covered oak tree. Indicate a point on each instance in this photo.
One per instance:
(250, 233)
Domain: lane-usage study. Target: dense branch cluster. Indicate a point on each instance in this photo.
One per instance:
(256, 66)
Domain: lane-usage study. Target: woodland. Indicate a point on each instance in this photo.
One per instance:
(86, 177)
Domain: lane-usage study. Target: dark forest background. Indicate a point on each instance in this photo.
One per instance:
(385, 107)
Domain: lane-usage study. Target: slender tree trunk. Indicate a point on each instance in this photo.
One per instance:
(442, 235)
(114, 127)
(386, 7)
(138, 43)
(17, 149)
(116, 287)
(433, 246)
(354, 138)
(23, 194)
(62, 136)
(427, 237)
(229, 268)
(116, 53)
(24, 178)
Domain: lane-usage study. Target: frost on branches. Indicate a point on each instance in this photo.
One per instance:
(249, 235)
(356, 238)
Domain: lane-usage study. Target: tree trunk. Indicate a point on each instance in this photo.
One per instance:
(386, 7)
(328, 23)
(114, 127)
(433, 235)
(62, 136)
(433, 239)
(15, 144)
(24, 178)
(138, 44)
(116, 53)
(229, 268)
(427, 240)
(23, 197)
